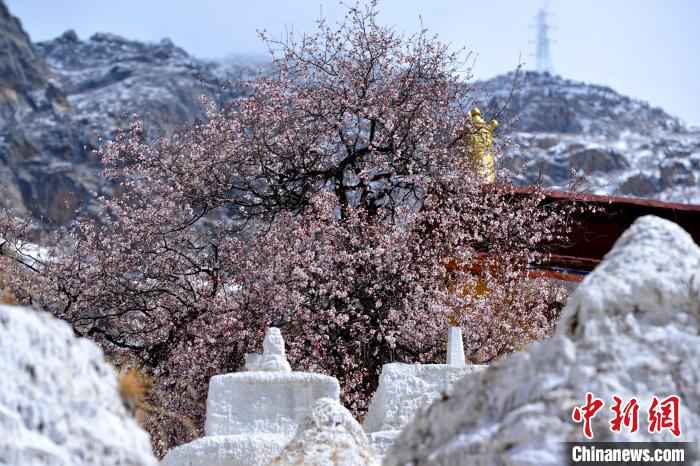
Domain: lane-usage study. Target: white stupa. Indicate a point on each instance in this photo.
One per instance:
(405, 388)
(252, 415)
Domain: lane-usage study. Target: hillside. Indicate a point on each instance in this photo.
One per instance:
(620, 145)
(60, 98)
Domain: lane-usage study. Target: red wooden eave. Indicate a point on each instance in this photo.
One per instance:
(597, 232)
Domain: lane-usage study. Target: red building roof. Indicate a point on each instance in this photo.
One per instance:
(597, 232)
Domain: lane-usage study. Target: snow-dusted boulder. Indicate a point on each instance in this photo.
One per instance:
(631, 329)
(59, 401)
(329, 436)
(252, 415)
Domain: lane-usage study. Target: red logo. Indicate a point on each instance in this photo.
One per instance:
(662, 414)
(587, 412)
(627, 416)
(665, 415)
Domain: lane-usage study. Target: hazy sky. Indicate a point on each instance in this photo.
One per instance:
(647, 49)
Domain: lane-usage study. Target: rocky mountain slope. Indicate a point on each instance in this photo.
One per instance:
(59, 98)
(619, 145)
(23, 73)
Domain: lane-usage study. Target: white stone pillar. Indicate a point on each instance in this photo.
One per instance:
(455, 348)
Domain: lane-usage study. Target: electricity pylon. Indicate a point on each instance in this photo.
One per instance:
(542, 43)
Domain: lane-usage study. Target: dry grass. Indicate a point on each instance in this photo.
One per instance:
(8, 297)
(133, 387)
(143, 399)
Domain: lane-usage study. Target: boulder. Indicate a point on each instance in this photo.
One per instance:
(677, 173)
(596, 159)
(329, 436)
(639, 184)
(59, 400)
(546, 141)
(631, 329)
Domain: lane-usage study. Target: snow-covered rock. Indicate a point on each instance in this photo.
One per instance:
(537, 102)
(23, 72)
(656, 164)
(329, 436)
(252, 415)
(631, 329)
(651, 275)
(59, 401)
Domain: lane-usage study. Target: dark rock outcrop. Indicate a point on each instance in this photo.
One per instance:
(543, 103)
(640, 185)
(677, 173)
(618, 145)
(592, 159)
(67, 94)
(23, 72)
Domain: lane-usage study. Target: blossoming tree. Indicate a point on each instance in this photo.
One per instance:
(336, 200)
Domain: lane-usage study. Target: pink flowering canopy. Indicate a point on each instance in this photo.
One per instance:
(327, 201)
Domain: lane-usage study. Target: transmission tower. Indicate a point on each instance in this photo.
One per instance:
(542, 43)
